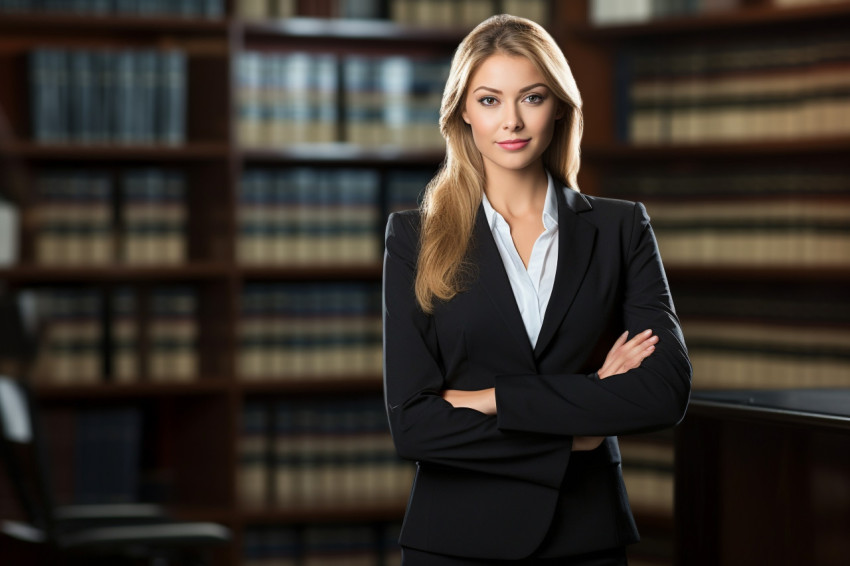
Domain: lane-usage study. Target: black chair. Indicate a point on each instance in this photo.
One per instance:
(137, 533)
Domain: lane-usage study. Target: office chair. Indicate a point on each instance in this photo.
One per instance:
(85, 532)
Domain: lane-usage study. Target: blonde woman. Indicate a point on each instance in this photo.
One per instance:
(503, 296)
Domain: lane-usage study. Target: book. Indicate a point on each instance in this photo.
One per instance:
(123, 96)
(305, 332)
(173, 335)
(9, 231)
(125, 339)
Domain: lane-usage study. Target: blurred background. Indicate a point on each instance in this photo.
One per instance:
(192, 202)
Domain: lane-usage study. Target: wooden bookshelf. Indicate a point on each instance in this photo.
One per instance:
(593, 55)
(196, 427)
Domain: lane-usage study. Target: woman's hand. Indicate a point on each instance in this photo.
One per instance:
(624, 356)
(584, 443)
(483, 400)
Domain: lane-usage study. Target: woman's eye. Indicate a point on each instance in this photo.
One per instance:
(534, 98)
(487, 101)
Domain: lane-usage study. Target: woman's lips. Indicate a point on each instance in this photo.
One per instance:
(513, 145)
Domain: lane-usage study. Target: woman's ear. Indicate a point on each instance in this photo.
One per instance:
(465, 116)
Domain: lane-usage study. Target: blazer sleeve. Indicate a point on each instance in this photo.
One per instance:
(650, 397)
(424, 426)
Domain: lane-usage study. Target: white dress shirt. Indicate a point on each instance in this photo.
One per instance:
(532, 287)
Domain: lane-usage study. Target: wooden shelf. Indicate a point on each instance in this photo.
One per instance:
(312, 386)
(343, 154)
(201, 386)
(784, 273)
(83, 24)
(745, 19)
(733, 150)
(316, 514)
(192, 151)
(115, 273)
(313, 273)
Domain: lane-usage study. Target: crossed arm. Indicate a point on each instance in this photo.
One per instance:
(623, 356)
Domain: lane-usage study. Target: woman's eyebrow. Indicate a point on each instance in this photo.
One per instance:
(523, 89)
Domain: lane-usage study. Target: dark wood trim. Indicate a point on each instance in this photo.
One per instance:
(818, 147)
(312, 386)
(744, 19)
(199, 386)
(772, 273)
(115, 273)
(330, 514)
(313, 273)
(192, 151)
(81, 24)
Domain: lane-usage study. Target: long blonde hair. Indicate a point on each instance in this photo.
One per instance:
(454, 194)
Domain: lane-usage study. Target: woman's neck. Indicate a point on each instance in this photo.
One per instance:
(517, 194)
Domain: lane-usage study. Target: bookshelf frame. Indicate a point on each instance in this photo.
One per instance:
(214, 401)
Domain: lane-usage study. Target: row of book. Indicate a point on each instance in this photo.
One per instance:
(420, 13)
(96, 454)
(330, 454)
(126, 96)
(309, 216)
(295, 98)
(310, 332)
(183, 8)
(92, 218)
(648, 472)
(633, 12)
(752, 354)
(323, 545)
(778, 232)
(740, 91)
(467, 14)
(81, 341)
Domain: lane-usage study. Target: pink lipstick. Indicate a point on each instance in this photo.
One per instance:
(513, 145)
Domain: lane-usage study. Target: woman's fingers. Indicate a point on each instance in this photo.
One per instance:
(620, 341)
(626, 355)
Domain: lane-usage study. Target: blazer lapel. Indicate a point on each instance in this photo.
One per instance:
(494, 279)
(576, 238)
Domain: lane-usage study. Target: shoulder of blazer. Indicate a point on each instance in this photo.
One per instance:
(402, 235)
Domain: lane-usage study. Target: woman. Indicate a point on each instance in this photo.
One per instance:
(501, 298)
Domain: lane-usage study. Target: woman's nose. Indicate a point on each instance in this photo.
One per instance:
(512, 120)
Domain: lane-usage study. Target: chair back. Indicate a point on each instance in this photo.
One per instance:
(23, 454)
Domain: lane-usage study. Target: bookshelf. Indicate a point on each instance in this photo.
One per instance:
(682, 179)
(196, 469)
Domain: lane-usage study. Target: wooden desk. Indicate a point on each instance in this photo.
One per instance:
(763, 477)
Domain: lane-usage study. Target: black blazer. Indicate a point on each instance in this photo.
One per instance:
(508, 486)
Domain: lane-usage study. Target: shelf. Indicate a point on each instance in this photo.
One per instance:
(331, 514)
(769, 274)
(762, 18)
(84, 24)
(654, 519)
(344, 154)
(313, 273)
(193, 151)
(114, 273)
(200, 386)
(349, 29)
(741, 150)
(311, 386)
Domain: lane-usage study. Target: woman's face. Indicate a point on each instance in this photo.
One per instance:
(511, 112)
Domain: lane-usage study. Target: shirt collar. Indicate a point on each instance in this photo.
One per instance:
(550, 207)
